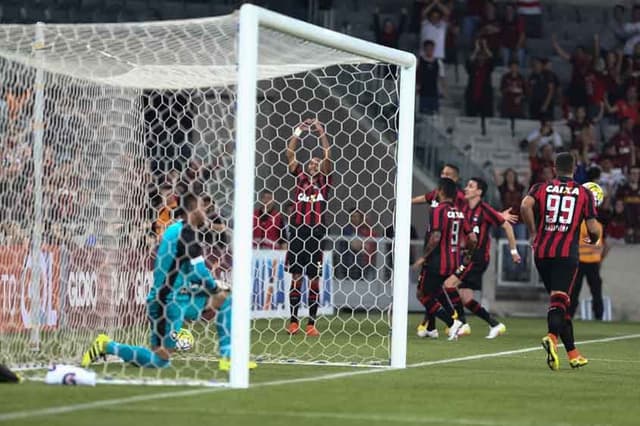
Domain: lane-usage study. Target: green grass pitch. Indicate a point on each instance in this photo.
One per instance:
(469, 382)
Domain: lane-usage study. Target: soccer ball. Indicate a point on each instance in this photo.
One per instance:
(184, 340)
(596, 190)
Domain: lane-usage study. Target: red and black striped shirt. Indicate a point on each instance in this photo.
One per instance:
(432, 199)
(310, 197)
(481, 218)
(561, 206)
(450, 222)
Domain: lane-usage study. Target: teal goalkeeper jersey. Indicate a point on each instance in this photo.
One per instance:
(180, 271)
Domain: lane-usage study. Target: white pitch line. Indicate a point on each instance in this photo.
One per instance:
(17, 415)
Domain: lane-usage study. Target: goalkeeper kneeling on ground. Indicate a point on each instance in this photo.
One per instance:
(183, 288)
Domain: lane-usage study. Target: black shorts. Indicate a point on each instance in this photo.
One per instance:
(429, 282)
(305, 250)
(557, 274)
(473, 279)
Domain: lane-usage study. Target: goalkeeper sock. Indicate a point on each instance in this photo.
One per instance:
(223, 327)
(480, 311)
(294, 299)
(138, 355)
(313, 301)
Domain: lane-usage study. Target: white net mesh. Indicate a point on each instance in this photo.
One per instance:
(136, 113)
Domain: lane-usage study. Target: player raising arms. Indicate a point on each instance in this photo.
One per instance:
(183, 288)
(441, 255)
(307, 223)
(553, 212)
(481, 216)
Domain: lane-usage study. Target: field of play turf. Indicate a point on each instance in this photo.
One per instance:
(473, 381)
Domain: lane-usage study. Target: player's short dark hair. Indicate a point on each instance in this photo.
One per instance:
(448, 188)
(482, 184)
(428, 43)
(565, 163)
(188, 202)
(452, 166)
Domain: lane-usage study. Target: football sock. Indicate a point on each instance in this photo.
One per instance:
(435, 309)
(294, 299)
(143, 357)
(314, 289)
(567, 336)
(454, 296)
(557, 312)
(223, 327)
(481, 312)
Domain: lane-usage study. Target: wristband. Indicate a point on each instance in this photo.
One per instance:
(458, 273)
(297, 132)
(514, 252)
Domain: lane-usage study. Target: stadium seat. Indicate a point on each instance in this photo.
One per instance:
(471, 125)
(498, 127)
(524, 127)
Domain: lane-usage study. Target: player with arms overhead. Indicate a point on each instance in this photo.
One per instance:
(553, 212)
(307, 223)
(441, 255)
(183, 288)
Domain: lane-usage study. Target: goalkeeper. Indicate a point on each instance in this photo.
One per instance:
(182, 289)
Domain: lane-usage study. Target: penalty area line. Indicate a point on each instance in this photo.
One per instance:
(63, 409)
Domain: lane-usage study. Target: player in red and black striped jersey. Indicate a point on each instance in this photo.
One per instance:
(442, 254)
(449, 171)
(553, 212)
(307, 227)
(481, 217)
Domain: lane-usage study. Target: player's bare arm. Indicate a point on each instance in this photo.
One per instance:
(508, 229)
(293, 145)
(594, 231)
(434, 240)
(526, 210)
(325, 165)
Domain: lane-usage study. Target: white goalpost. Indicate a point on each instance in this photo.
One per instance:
(105, 125)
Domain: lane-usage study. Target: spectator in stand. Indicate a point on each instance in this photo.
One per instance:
(473, 13)
(451, 39)
(624, 146)
(577, 124)
(430, 80)
(632, 30)
(612, 75)
(626, 108)
(434, 27)
(388, 34)
(629, 194)
(268, 226)
(545, 135)
(531, 11)
(542, 87)
(359, 257)
(541, 161)
(616, 229)
(581, 63)
(511, 195)
(490, 28)
(512, 37)
(613, 35)
(479, 93)
(513, 86)
(165, 204)
(610, 178)
(596, 88)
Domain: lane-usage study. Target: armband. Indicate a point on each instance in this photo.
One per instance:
(458, 273)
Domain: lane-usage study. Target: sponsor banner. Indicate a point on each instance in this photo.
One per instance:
(93, 289)
(271, 283)
(18, 290)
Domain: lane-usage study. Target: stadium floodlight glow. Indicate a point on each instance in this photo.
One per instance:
(113, 109)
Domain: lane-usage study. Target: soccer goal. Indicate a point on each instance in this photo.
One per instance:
(277, 124)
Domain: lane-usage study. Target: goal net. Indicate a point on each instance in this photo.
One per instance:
(104, 126)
